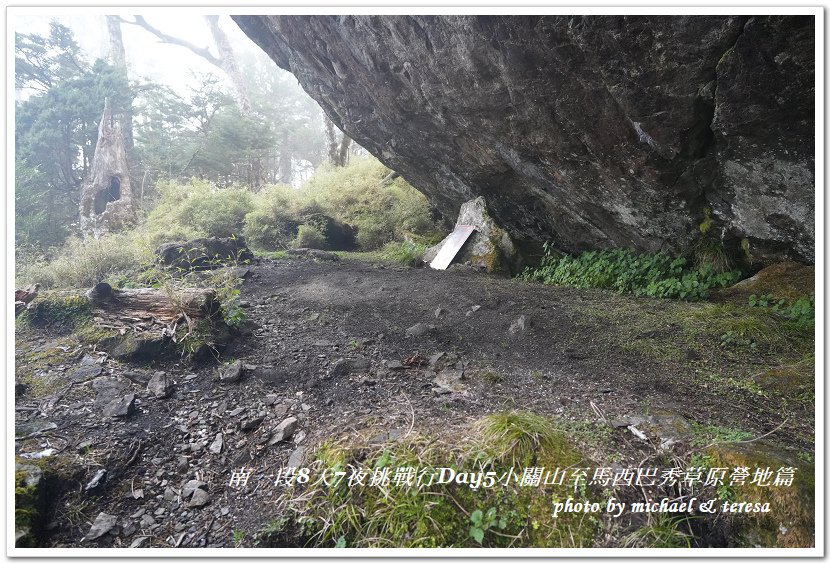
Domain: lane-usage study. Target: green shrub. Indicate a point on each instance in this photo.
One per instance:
(354, 195)
(272, 225)
(197, 209)
(309, 236)
(654, 275)
(84, 263)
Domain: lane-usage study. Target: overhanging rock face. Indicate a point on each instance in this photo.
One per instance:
(594, 132)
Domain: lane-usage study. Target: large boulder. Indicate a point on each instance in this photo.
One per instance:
(204, 253)
(589, 131)
(489, 248)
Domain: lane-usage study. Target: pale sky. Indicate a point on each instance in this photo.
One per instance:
(146, 56)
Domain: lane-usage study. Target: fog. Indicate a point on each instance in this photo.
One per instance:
(147, 57)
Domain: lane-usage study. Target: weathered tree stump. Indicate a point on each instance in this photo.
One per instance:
(106, 196)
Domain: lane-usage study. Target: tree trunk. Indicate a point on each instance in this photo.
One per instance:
(343, 157)
(228, 64)
(118, 56)
(331, 141)
(285, 166)
(106, 198)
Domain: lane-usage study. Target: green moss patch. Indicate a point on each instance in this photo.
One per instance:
(790, 521)
(784, 280)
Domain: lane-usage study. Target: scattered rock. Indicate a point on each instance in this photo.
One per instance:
(270, 399)
(419, 329)
(33, 428)
(139, 541)
(119, 408)
(200, 498)
(243, 458)
(87, 371)
(160, 385)
(283, 431)
(204, 253)
(107, 389)
(103, 523)
(439, 312)
(395, 365)
(191, 486)
(231, 373)
(280, 410)
(296, 459)
(129, 530)
(182, 464)
(341, 368)
(435, 359)
(449, 381)
(97, 479)
(216, 445)
(251, 423)
(519, 325)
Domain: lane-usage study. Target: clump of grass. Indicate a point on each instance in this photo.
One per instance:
(662, 531)
(770, 332)
(521, 438)
(406, 253)
(82, 263)
(450, 514)
(705, 435)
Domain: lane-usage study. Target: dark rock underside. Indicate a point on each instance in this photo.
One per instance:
(595, 132)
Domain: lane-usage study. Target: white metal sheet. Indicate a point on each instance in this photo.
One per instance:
(453, 244)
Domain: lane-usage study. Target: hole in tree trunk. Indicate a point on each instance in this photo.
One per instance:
(108, 194)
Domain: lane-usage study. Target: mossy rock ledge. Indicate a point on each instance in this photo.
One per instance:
(790, 521)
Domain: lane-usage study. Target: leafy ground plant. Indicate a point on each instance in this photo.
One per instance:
(624, 271)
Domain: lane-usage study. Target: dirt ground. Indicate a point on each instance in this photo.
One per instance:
(327, 343)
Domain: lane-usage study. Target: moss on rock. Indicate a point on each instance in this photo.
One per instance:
(784, 280)
(790, 521)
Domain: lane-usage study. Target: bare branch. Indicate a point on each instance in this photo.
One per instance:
(201, 51)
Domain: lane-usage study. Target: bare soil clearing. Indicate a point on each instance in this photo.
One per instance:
(329, 342)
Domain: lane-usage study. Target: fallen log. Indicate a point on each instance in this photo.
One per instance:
(136, 323)
(22, 297)
(146, 304)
